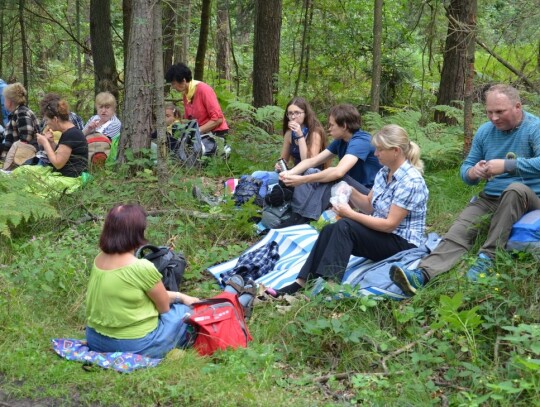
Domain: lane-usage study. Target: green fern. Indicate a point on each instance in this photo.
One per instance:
(19, 206)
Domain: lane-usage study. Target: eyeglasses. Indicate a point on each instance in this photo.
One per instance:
(292, 115)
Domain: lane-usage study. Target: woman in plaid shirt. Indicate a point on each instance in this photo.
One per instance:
(391, 219)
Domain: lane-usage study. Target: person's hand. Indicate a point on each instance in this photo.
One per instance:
(291, 180)
(46, 138)
(94, 124)
(494, 167)
(343, 210)
(189, 300)
(294, 126)
(479, 171)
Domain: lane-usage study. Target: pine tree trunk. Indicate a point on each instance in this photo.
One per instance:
(266, 51)
(140, 80)
(23, 44)
(223, 40)
(452, 85)
(469, 79)
(169, 31)
(203, 40)
(181, 51)
(105, 74)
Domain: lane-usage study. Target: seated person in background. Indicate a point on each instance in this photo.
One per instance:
(128, 308)
(22, 127)
(357, 164)
(505, 152)
(172, 120)
(303, 137)
(393, 216)
(70, 155)
(105, 121)
(200, 100)
(54, 98)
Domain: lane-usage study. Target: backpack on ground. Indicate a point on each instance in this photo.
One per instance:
(276, 217)
(247, 188)
(99, 148)
(170, 264)
(191, 145)
(219, 323)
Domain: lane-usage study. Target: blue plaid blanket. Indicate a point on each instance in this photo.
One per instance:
(295, 243)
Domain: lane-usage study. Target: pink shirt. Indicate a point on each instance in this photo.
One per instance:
(204, 107)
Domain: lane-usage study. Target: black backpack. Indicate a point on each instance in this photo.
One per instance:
(247, 188)
(170, 264)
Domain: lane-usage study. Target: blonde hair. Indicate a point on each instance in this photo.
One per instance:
(509, 91)
(392, 136)
(16, 92)
(105, 99)
(171, 106)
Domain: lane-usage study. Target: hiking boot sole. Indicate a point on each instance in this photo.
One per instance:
(398, 277)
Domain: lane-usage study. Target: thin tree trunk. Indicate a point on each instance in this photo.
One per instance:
(308, 45)
(78, 28)
(203, 40)
(469, 80)
(181, 51)
(235, 62)
(23, 44)
(169, 31)
(377, 51)
(159, 109)
(106, 77)
(530, 85)
(127, 9)
(223, 38)
(305, 28)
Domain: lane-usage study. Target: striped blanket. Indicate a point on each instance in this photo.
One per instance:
(295, 243)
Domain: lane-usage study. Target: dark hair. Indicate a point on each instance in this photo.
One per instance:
(347, 115)
(52, 106)
(178, 73)
(123, 230)
(310, 121)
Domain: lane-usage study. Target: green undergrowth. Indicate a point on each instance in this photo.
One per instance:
(455, 343)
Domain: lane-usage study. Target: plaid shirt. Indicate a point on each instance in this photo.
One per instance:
(407, 190)
(23, 125)
(254, 264)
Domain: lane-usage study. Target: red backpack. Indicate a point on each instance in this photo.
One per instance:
(99, 147)
(219, 324)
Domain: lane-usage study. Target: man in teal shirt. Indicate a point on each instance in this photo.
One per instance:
(505, 153)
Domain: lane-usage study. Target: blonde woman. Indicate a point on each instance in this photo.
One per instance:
(392, 216)
(105, 121)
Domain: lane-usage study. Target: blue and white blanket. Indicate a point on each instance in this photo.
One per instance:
(295, 243)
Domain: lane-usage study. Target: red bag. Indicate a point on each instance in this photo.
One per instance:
(219, 323)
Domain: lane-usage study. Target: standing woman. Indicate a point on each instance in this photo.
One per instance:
(23, 125)
(200, 100)
(392, 217)
(70, 156)
(303, 137)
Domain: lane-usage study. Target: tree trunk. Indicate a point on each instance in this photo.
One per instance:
(23, 44)
(169, 31)
(105, 75)
(469, 79)
(127, 9)
(181, 51)
(377, 51)
(223, 38)
(78, 28)
(139, 93)
(454, 69)
(203, 40)
(266, 51)
(159, 109)
(304, 44)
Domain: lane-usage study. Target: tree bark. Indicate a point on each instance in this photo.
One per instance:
(266, 51)
(377, 51)
(223, 38)
(304, 44)
(181, 51)
(105, 74)
(203, 40)
(169, 31)
(127, 9)
(23, 44)
(469, 80)
(158, 95)
(139, 94)
(454, 69)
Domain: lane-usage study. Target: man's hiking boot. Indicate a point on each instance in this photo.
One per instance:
(480, 267)
(408, 280)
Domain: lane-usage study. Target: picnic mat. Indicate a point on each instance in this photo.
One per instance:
(366, 276)
(124, 362)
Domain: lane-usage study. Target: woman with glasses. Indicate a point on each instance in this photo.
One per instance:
(303, 137)
(390, 219)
